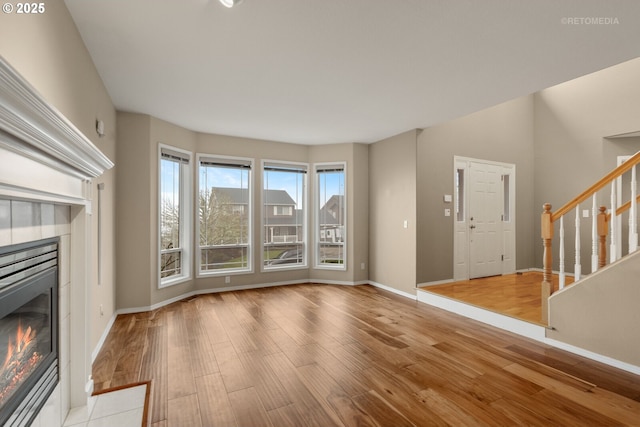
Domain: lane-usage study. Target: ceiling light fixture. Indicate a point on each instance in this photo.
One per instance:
(230, 3)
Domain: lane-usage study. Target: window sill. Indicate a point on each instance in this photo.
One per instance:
(330, 267)
(284, 268)
(205, 274)
(173, 281)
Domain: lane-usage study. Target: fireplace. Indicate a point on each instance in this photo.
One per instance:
(28, 329)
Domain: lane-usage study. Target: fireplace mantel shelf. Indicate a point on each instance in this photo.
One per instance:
(41, 133)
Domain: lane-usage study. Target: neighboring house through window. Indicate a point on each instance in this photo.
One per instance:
(224, 215)
(331, 216)
(283, 219)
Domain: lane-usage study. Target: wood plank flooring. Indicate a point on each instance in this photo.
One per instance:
(516, 295)
(323, 355)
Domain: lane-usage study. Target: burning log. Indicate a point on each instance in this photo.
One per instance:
(21, 359)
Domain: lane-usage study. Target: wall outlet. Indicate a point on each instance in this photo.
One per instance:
(362, 266)
(227, 279)
(101, 310)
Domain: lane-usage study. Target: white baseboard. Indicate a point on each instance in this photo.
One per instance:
(594, 356)
(392, 290)
(436, 282)
(103, 337)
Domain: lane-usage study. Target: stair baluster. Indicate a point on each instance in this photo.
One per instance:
(594, 234)
(633, 220)
(561, 274)
(577, 268)
(614, 225)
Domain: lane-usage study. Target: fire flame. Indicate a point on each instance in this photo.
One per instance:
(19, 362)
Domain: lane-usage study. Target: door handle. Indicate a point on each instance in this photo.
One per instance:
(472, 227)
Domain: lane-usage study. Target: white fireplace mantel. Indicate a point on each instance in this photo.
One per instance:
(45, 158)
(42, 133)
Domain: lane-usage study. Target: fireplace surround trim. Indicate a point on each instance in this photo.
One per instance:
(47, 159)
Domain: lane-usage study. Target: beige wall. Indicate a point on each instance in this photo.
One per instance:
(572, 121)
(360, 222)
(48, 51)
(503, 133)
(601, 313)
(134, 231)
(138, 138)
(356, 158)
(392, 200)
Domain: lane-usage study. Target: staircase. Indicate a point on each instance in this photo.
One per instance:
(605, 226)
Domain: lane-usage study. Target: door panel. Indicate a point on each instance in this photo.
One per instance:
(485, 223)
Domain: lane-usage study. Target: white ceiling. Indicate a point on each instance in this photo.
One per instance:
(330, 71)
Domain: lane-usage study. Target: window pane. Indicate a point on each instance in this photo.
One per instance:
(506, 216)
(170, 217)
(460, 195)
(220, 258)
(223, 207)
(331, 218)
(283, 216)
(170, 263)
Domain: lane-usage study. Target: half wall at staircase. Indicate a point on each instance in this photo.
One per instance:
(600, 313)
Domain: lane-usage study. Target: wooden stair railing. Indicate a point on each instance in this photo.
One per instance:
(601, 225)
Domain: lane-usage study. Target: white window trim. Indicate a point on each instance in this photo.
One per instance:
(305, 229)
(186, 224)
(316, 261)
(249, 213)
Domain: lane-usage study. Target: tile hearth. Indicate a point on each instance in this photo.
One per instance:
(125, 407)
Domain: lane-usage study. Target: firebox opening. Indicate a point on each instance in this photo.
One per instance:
(28, 329)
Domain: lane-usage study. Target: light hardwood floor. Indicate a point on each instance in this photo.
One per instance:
(323, 355)
(516, 295)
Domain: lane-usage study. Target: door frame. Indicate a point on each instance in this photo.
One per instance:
(461, 217)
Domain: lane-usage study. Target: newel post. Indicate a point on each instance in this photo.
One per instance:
(547, 260)
(603, 229)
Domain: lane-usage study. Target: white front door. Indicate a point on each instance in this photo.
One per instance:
(485, 210)
(484, 226)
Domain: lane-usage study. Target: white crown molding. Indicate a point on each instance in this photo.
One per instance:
(49, 137)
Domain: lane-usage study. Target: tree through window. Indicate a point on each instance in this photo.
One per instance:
(224, 213)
